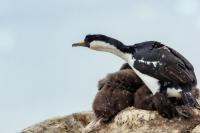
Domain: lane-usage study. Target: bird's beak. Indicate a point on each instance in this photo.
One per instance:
(82, 43)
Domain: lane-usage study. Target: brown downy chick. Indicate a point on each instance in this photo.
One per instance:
(125, 79)
(109, 101)
(115, 93)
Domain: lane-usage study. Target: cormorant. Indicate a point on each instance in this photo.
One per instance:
(160, 67)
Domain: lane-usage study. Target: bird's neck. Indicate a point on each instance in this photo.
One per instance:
(117, 49)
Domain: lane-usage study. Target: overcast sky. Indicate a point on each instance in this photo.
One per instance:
(42, 76)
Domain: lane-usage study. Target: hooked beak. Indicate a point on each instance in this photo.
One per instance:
(82, 43)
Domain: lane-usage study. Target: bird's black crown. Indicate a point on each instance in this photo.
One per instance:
(96, 37)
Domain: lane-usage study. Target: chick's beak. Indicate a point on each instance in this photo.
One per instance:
(82, 43)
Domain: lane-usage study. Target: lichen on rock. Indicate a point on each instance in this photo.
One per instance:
(128, 120)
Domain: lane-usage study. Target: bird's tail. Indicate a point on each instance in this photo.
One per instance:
(189, 100)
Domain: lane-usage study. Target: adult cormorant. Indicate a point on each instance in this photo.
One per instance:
(160, 67)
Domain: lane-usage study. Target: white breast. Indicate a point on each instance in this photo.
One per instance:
(172, 92)
(151, 82)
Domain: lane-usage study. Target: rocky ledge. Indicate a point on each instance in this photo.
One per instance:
(126, 121)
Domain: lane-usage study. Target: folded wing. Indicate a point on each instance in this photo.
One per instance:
(165, 64)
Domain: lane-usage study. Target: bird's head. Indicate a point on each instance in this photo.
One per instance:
(104, 43)
(101, 43)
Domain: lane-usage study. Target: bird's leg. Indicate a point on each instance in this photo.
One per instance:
(184, 111)
(165, 106)
(169, 109)
(144, 99)
(189, 100)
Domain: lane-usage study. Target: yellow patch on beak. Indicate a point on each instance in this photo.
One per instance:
(82, 42)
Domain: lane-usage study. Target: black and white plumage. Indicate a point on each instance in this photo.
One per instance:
(174, 72)
(163, 63)
(160, 67)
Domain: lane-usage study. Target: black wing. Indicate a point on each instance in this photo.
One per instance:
(163, 63)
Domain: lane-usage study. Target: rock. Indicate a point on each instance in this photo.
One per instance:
(74, 123)
(196, 129)
(128, 120)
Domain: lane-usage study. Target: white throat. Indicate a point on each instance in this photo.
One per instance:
(107, 47)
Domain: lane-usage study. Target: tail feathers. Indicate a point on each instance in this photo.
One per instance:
(189, 100)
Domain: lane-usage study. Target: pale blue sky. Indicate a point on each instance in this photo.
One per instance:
(42, 76)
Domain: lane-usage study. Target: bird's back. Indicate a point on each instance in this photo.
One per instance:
(164, 63)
